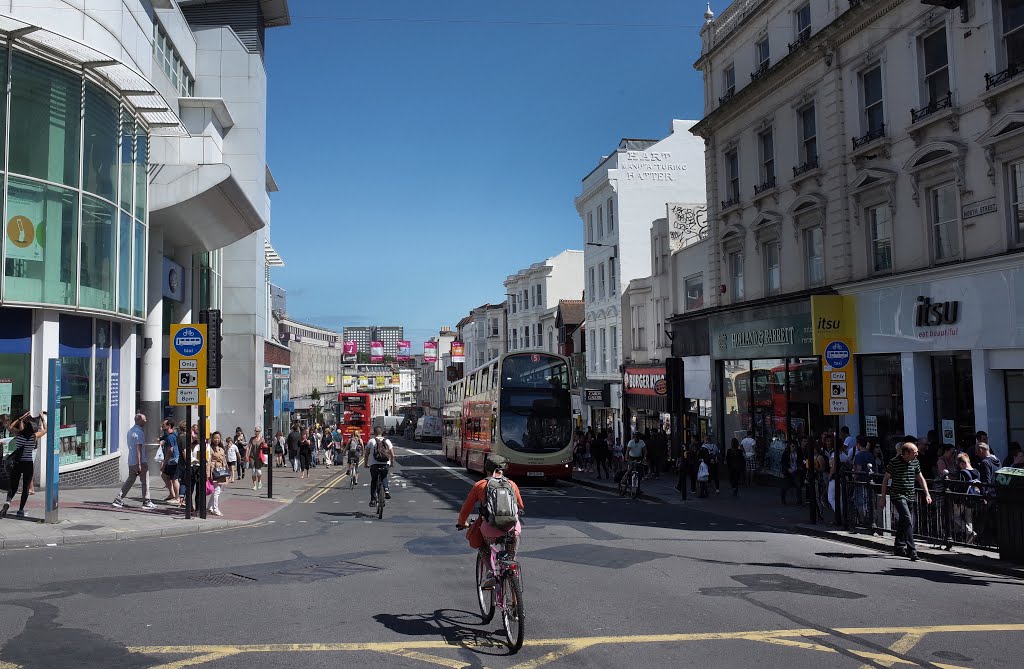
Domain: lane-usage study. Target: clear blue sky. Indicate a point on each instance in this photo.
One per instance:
(427, 150)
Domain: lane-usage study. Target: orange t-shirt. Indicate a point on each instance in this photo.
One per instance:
(476, 496)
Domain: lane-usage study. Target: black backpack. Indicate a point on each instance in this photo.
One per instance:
(382, 449)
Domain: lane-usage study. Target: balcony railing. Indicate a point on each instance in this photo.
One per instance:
(1011, 71)
(811, 164)
(759, 72)
(801, 39)
(731, 202)
(730, 94)
(869, 137)
(765, 187)
(945, 102)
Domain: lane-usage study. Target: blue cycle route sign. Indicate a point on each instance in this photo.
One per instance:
(837, 354)
(188, 342)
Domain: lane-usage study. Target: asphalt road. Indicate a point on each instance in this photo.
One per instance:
(608, 582)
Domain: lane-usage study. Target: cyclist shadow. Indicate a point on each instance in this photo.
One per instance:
(452, 625)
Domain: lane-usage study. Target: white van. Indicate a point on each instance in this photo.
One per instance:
(388, 423)
(428, 428)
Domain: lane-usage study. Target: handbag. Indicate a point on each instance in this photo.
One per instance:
(220, 473)
(209, 487)
(702, 472)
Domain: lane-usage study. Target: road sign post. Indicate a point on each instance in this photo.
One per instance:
(187, 372)
(837, 378)
(53, 444)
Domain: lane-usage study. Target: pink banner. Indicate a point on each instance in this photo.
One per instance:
(350, 348)
(430, 351)
(458, 352)
(404, 350)
(376, 351)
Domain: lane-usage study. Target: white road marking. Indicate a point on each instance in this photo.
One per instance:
(451, 470)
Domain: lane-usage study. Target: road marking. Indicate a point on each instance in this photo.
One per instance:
(562, 647)
(326, 488)
(445, 467)
(903, 645)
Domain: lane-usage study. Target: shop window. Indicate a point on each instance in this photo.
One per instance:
(124, 264)
(880, 382)
(42, 249)
(46, 109)
(15, 368)
(101, 392)
(98, 254)
(74, 429)
(953, 385)
(99, 157)
(1015, 405)
(141, 183)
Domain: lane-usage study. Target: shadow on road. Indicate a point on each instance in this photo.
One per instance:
(459, 628)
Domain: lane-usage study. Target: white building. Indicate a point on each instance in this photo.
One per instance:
(895, 126)
(533, 295)
(136, 134)
(483, 332)
(620, 198)
(434, 375)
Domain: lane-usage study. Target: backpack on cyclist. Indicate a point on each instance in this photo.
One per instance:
(380, 450)
(500, 504)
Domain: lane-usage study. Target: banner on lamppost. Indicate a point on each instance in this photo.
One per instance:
(349, 350)
(376, 351)
(458, 352)
(430, 351)
(404, 350)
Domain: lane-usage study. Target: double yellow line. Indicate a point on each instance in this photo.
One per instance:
(324, 489)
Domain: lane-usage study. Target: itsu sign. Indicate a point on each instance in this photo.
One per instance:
(645, 381)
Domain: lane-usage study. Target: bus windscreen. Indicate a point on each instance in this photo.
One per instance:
(536, 409)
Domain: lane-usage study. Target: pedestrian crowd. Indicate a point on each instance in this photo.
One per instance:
(227, 461)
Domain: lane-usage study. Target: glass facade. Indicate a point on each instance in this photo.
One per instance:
(1014, 404)
(953, 384)
(75, 196)
(881, 398)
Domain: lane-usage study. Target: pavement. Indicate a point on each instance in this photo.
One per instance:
(760, 504)
(87, 515)
(608, 582)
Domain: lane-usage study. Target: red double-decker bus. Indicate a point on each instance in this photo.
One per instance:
(354, 414)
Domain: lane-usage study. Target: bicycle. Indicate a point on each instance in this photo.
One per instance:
(380, 491)
(630, 481)
(506, 593)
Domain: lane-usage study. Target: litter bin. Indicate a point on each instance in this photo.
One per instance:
(1010, 511)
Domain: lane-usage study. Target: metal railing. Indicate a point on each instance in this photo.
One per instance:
(945, 102)
(811, 164)
(1001, 77)
(869, 137)
(961, 513)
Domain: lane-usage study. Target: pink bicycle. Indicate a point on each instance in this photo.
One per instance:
(506, 593)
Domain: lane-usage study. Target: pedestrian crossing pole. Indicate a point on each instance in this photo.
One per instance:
(202, 462)
(270, 470)
(187, 454)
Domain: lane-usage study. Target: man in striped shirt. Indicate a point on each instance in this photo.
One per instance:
(902, 473)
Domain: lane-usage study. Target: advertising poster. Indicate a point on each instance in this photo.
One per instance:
(396, 380)
(430, 351)
(458, 352)
(364, 381)
(6, 393)
(25, 240)
(349, 350)
(381, 381)
(376, 351)
(404, 350)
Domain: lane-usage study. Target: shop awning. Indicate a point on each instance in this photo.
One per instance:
(219, 214)
(138, 91)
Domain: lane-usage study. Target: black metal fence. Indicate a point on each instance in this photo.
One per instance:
(961, 513)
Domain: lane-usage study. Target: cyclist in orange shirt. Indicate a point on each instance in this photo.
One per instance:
(488, 533)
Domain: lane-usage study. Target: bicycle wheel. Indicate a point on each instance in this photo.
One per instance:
(512, 610)
(380, 500)
(634, 484)
(622, 486)
(485, 598)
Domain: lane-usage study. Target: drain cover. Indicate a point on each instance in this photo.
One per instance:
(84, 528)
(223, 579)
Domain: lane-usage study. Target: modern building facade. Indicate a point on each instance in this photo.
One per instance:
(620, 198)
(882, 161)
(533, 294)
(126, 184)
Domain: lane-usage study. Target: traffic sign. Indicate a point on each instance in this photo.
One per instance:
(838, 389)
(837, 407)
(187, 396)
(837, 354)
(188, 341)
(187, 364)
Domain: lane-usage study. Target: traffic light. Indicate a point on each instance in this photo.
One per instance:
(211, 318)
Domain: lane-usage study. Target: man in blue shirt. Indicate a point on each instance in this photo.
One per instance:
(138, 468)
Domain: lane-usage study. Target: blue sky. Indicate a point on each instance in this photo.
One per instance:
(427, 150)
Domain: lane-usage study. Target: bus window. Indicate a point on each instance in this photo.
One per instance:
(536, 410)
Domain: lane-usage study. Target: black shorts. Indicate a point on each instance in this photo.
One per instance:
(170, 469)
(353, 458)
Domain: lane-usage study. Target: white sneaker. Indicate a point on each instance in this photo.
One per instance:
(216, 512)
(148, 505)
(118, 503)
